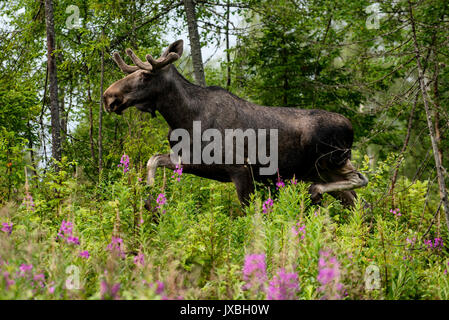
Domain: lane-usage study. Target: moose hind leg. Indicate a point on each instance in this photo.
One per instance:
(347, 197)
(341, 181)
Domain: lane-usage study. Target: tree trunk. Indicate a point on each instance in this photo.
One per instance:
(404, 148)
(436, 100)
(52, 73)
(228, 54)
(91, 120)
(63, 123)
(438, 164)
(285, 85)
(100, 115)
(195, 46)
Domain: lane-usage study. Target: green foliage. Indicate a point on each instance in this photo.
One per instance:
(309, 54)
(196, 243)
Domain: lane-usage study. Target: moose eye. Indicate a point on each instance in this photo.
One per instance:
(147, 75)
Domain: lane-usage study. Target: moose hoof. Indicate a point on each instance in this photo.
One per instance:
(315, 194)
(148, 204)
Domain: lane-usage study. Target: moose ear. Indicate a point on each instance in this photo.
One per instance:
(176, 47)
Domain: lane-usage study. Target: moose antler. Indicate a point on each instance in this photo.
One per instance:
(122, 65)
(163, 61)
(142, 65)
(151, 65)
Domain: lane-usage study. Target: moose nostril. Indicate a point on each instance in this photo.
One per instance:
(114, 102)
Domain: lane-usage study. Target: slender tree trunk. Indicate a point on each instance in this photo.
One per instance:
(436, 100)
(438, 164)
(100, 114)
(195, 46)
(31, 147)
(65, 116)
(404, 148)
(63, 124)
(91, 120)
(133, 29)
(41, 119)
(52, 73)
(228, 54)
(285, 85)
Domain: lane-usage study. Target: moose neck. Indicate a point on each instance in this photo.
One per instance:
(178, 100)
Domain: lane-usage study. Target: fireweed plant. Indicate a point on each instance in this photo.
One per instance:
(114, 237)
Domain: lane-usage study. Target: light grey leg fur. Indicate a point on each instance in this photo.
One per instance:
(343, 179)
(158, 160)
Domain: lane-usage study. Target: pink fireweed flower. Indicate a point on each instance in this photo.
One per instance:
(66, 227)
(254, 270)
(396, 212)
(428, 243)
(124, 162)
(116, 247)
(267, 205)
(28, 202)
(39, 280)
(8, 282)
(437, 243)
(161, 200)
(299, 230)
(25, 269)
(139, 260)
(177, 172)
(158, 287)
(284, 286)
(279, 184)
(66, 233)
(84, 254)
(73, 240)
(7, 227)
(109, 291)
(329, 276)
(294, 181)
(51, 289)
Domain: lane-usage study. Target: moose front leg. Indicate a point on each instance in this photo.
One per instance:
(164, 160)
(243, 184)
(159, 160)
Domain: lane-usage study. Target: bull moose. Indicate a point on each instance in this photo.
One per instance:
(313, 145)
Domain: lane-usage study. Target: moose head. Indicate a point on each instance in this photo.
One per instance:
(143, 82)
